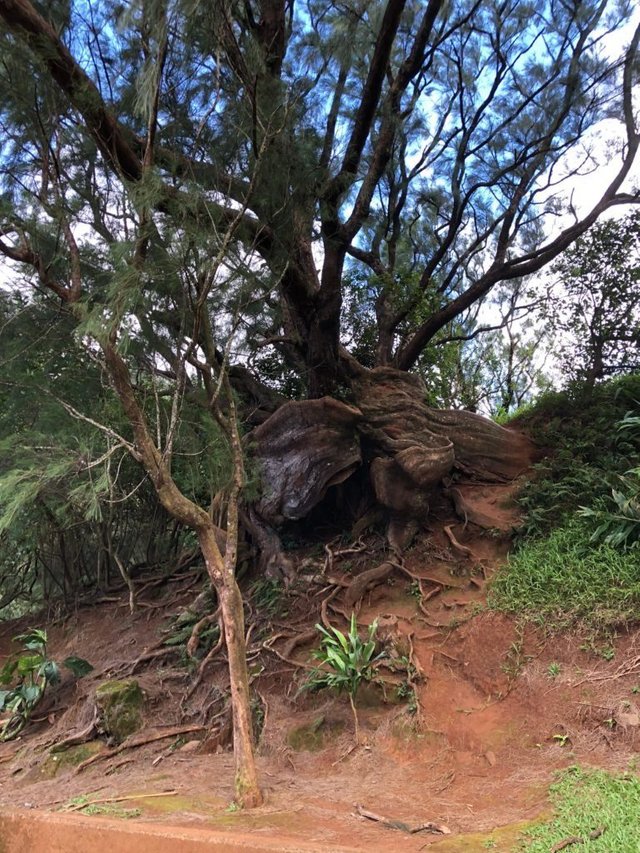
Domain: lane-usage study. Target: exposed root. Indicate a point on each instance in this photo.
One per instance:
(331, 556)
(299, 640)
(153, 654)
(198, 628)
(366, 580)
(424, 596)
(133, 744)
(268, 646)
(204, 664)
(464, 549)
(80, 737)
(323, 609)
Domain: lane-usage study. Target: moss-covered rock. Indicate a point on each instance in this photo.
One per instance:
(119, 705)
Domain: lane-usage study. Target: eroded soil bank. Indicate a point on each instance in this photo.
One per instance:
(498, 708)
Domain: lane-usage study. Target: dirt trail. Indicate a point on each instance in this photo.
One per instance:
(499, 710)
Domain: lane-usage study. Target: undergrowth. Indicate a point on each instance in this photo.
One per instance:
(585, 451)
(598, 810)
(576, 558)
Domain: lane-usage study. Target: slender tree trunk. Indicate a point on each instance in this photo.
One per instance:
(221, 569)
(248, 793)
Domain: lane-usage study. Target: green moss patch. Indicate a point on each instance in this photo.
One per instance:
(59, 761)
(505, 839)
(120, 705)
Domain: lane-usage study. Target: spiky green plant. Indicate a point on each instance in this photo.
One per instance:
(345, 662)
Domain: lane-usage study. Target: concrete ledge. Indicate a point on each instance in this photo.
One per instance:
(53, 832)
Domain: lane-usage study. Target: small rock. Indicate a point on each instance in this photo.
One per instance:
(491, 758)
(190, 746)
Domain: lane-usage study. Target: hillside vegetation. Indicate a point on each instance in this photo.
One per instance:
(577, 555)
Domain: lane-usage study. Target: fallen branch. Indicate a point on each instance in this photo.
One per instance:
(576, 839)
(429, 826)
(109, 753)
(77, 807)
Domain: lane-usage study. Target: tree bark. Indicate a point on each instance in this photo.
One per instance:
(247, 789)
(306, 447)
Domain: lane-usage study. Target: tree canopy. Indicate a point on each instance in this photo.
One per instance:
(284, 161)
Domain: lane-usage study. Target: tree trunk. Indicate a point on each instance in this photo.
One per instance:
(247, 790)
(220, 569)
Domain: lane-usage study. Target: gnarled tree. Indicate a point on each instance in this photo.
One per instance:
(202, 185)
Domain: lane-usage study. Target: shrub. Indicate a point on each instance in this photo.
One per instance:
(32, 671)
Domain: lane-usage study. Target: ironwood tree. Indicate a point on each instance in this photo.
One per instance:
(253, 200)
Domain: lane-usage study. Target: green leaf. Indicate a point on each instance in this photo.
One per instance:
(29, 663)
(31, 695)
(34, 639)
(341, 638)
(8, 670)
(51, 672)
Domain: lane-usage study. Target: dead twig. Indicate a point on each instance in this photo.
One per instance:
(630, 667)
(428, 826)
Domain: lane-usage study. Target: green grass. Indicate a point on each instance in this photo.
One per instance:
(586, 801)
(564, 579)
